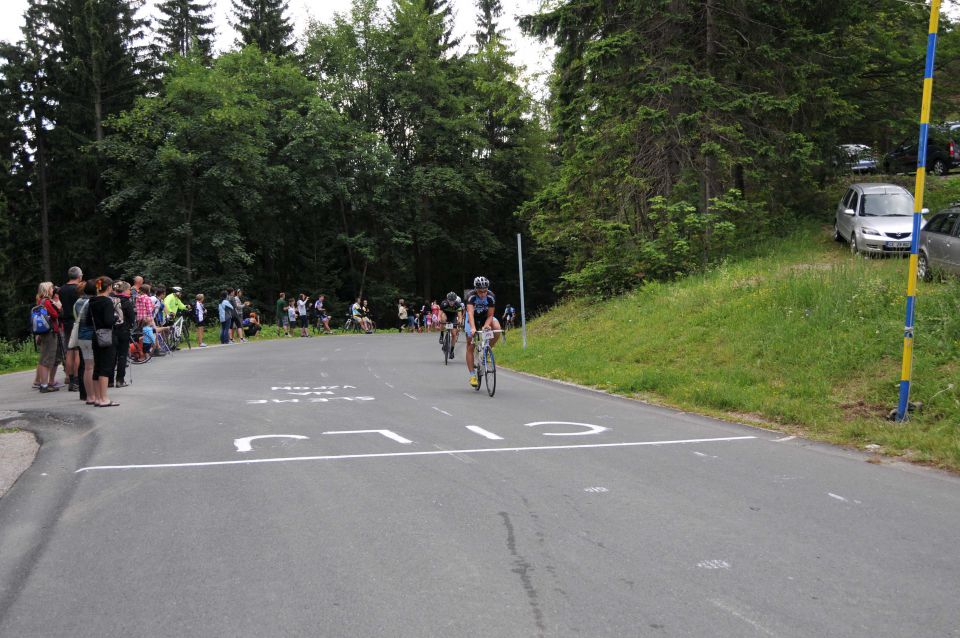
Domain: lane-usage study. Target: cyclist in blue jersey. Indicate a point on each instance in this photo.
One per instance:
(480, 314)
(509, 315)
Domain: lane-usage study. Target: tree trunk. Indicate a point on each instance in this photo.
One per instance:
(44, 200)
(189, 246)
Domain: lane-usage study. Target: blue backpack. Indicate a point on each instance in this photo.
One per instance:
(39, 320)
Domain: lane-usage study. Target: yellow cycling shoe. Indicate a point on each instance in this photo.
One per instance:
(474, 381)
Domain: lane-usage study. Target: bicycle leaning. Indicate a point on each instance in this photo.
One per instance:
(484, 363)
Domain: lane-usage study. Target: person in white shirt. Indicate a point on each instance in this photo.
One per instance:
(303, 320)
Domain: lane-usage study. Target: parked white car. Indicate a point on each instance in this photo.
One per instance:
(875, 219)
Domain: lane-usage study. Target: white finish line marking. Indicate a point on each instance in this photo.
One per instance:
(243, 445)
(387, 433)
(476, 429)
(409, 396)
(441, 411)
(398, 454)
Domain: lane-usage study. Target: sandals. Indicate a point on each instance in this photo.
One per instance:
(112, 404)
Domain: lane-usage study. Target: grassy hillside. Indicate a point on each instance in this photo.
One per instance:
(807, 337)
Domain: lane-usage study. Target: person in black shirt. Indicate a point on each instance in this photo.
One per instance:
(121, 334)
(69, 293)
(452, 310)
(103, 317)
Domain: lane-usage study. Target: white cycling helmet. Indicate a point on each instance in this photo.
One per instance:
(177, 289)
(481, 283)
(451, 297)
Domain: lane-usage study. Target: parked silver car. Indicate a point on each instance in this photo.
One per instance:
(939, 244)
(875, 219)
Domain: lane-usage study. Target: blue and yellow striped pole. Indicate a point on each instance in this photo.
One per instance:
(907, 369)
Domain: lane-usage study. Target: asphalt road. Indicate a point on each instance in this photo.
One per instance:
(412, 506)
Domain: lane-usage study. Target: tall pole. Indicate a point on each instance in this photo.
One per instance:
(907, 369)
(523, 306)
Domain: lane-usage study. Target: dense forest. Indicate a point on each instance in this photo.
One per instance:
(380, 155)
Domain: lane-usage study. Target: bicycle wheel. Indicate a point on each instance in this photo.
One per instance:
(490, 371)
(477, 369)
(347, 325)
(186, 335)
(446, 348)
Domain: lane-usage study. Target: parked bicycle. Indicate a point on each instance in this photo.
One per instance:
(180, 333)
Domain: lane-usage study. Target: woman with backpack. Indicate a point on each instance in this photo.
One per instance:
(45, 318)
(104, 317)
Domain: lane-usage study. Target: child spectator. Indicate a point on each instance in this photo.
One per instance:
(291, 315)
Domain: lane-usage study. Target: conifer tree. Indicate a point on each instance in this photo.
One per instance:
(489, 12)
(186, 26)
(264, 23)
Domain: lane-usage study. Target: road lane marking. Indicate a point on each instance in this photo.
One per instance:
(389, 385)
(410, 396)
(399, 454)
(441, 411)
(784, 439)
(476, 429)
(387, 433)
(591, 429)
(243, 444)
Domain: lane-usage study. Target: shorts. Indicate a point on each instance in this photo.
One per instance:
(236, 323)
(49, 352)
(67, 331)
(86, 349)
(302, 322)
(104, 360)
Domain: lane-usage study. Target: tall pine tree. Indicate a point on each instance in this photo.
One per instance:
(185, 27)
(264, 23)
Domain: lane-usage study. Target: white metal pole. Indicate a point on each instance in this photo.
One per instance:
(523, 307)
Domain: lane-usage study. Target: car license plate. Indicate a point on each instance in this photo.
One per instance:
(897, 244)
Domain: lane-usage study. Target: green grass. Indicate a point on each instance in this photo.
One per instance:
(806, 338)
(15, 357)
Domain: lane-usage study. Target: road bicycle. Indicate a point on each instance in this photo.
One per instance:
(352, 325)
(484, 364)
(446, 340)
(180, 333)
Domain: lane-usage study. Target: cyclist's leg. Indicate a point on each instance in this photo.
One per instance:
(469, 355)
(496, 335)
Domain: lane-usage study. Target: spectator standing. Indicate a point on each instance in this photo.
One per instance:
(84, 342)
(291, 315)
(238, 315)
(303, 320)
(104, 317)
(401, 315)
(199, 313)
(435, 311)
(49, 341)
(281, 307)
(225, 311)
(126, 317)
(143, 304)
(135, 289)
(69, 293)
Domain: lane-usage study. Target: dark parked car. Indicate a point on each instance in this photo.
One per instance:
(942, 154)
(940, 244)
